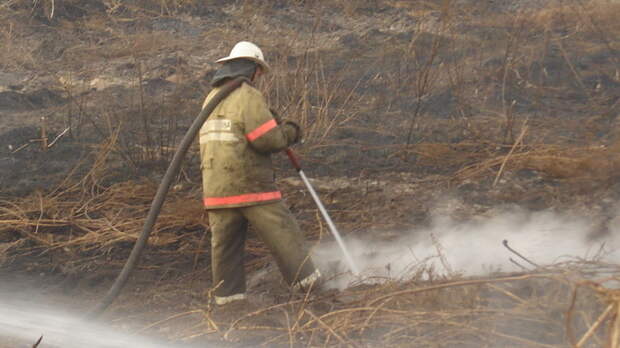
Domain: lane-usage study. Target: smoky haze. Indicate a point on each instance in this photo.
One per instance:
(23, 322)
(474, 247)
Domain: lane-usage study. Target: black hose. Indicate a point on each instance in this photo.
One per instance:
(158, 201)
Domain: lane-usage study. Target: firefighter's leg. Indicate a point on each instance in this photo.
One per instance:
(277, 227)
(228, 232)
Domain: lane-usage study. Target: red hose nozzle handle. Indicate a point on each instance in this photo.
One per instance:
(294, 159)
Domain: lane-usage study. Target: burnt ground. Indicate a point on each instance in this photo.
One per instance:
(494, 104)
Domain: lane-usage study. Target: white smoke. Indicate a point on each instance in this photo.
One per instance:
(473, 247)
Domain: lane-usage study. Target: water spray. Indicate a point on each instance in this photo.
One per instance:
(347, 256)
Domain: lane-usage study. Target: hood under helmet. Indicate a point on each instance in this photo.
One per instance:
(234, 68)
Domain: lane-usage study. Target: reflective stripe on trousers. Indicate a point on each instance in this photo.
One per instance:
(240, 199)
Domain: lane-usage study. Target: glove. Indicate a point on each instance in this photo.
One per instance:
(291, 129)
(293, 132)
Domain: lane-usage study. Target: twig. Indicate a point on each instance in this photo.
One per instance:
(569, 318)
(168, 319)
(570, 64)
(36, 344)
(456, 284)
(327, 327)
(614, 337)
(505, 242)
(369, 318)
(58, 137)
(517, 264)
(521, 340)
(514, 146)
(43, 133)
(267, 309)
(291, 333)
(442, 256)
(21, 147)
(507, 293)
(35, 238)
(594, 326)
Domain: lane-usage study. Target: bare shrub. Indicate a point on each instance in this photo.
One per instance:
(304, 91)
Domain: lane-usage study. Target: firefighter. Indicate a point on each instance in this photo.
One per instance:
(236, 143)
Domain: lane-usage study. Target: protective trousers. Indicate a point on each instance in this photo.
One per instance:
(276, 227)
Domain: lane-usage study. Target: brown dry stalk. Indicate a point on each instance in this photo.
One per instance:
(512, 149)
(291, 332)
(507, 336)
(329, 328)
(507, 293)
(458, 284)
(594, 326)
(35, 238)
(614, 336)
(176, 316)
(257, 312)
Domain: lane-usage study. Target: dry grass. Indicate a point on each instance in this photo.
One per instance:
(558, 307)
(592, 163)
(84, 217)
(99, 221)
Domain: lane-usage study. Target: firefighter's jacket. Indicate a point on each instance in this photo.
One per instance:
(236, 143)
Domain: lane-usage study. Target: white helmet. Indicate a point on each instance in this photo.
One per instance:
(247, 50)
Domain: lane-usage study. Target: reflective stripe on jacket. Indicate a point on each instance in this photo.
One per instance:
(236, 143)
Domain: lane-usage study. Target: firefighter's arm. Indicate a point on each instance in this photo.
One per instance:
(264, 131)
